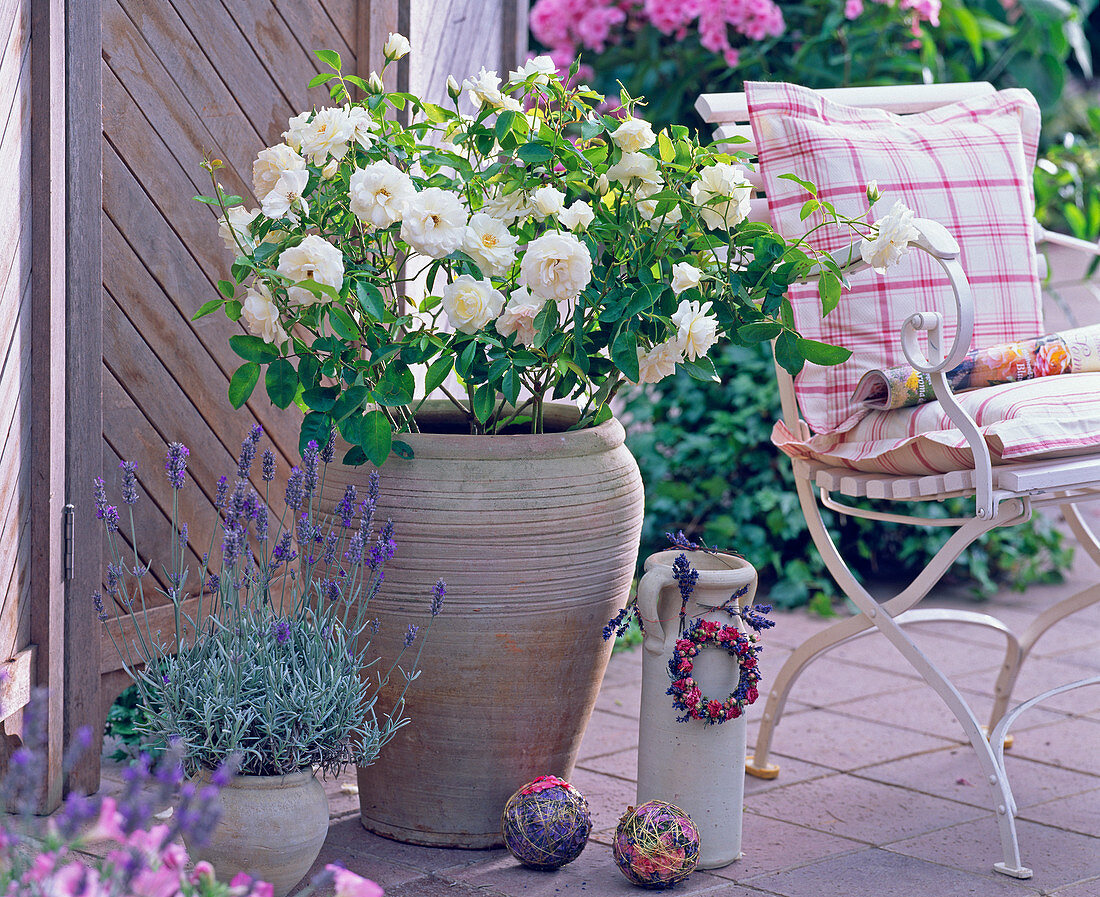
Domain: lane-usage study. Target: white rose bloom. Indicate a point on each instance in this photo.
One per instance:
(281, 199)
(396, 46)
(379, 193)
(312, 259)
(602, 185)
(542, 67)
(556, 266)
(508, 208)
(510, 104)
(637, 166)
(236, 224)
(659, 362)
(684, 277)
(434, 222)
(547, 201)
(489, 243)
(634, 135)
(471, 304)
(722, 181)
(577, 217)
(374, 82)
(327, 135)
(296, 127)
(330, 169)
(893, 233)
(361, 125)
(270, 165)
(262, 315)
(453, 87)
(518, 316)
(696, 330)
(484, 88)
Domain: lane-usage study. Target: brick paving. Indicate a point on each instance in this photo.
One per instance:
(879, 795)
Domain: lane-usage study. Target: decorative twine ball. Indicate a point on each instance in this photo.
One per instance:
(656, 845)
(546, 823)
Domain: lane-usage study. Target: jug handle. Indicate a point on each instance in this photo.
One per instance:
(649, 594)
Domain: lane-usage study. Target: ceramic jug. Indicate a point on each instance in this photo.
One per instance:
(699, 767)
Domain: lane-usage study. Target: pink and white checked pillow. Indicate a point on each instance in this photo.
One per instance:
(967, 165)
(1049, 417)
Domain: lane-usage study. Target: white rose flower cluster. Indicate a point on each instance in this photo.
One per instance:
(696, 330)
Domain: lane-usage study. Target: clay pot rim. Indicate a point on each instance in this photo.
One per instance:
(522, 446)
(287, 780)
(716, 568)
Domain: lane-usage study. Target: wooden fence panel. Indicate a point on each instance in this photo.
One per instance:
(15, 356)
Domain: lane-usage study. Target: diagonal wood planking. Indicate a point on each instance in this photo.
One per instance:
(182, 79)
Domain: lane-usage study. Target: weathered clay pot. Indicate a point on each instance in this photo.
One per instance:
(537, 538)
(271, 827)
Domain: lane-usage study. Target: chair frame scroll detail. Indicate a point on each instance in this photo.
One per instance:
(1004, 495)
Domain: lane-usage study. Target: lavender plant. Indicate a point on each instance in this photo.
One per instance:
(50, 858)
(275, 665)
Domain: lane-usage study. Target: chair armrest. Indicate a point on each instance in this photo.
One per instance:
(1042, 235)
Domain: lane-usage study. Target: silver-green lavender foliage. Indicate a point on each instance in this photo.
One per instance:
(275, 667)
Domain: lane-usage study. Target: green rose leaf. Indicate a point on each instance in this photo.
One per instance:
(510, 386)
(320, 398)
(624, 353)
(395, 387)
(701, 368)
(316, 428)
(534, 153)
(208, 307)
(370, 299)
(788, 353)
(823, 353)
(330, 58)
(252, 348)
(243, 382)
(282, 382)
(758, 331)
(343, 323)
(376, 437)
(483, 402)
(227, 288)
(828, 288)
(437, 372)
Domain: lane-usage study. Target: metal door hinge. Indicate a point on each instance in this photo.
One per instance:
(70, 540)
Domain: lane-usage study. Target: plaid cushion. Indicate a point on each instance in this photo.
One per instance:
(967, 166)
(1048, 417)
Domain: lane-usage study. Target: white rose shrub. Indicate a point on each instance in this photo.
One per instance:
(537, 250)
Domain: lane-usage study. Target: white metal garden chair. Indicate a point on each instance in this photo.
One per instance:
(1005, 491)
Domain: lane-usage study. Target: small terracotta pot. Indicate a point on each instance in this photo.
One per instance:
(271, 827)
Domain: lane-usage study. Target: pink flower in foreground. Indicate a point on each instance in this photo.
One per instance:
(348, 884)
(853, 9)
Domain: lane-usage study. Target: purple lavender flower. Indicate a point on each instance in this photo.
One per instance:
(261, 518)
(214, 583)
(345, 510)
(248, 452)
(410, 635)
(330, 547)
(332, 591)
(383, 548)
(238, 502)
(282, 551)
(183, 536)
(100, 497)
(110, 518)
(679, 540)
(223, 492)
(280, 631)
(686, 577)
(129, 482)
(101, 611)
(269, 466)
(329, 451)
(176, 465)
(231, 545)
(356, 546)
(114, 578)
(439, 592)
(294, 494)
(310, 458)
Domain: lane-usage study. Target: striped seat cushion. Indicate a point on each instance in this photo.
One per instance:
(1049, 417)
(967, 165)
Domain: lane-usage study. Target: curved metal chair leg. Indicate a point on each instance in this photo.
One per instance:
(1038, 627)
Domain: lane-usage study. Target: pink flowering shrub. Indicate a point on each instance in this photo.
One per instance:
(671, 51)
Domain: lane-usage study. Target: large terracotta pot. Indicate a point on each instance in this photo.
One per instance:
(537, 538)
(271, 827)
